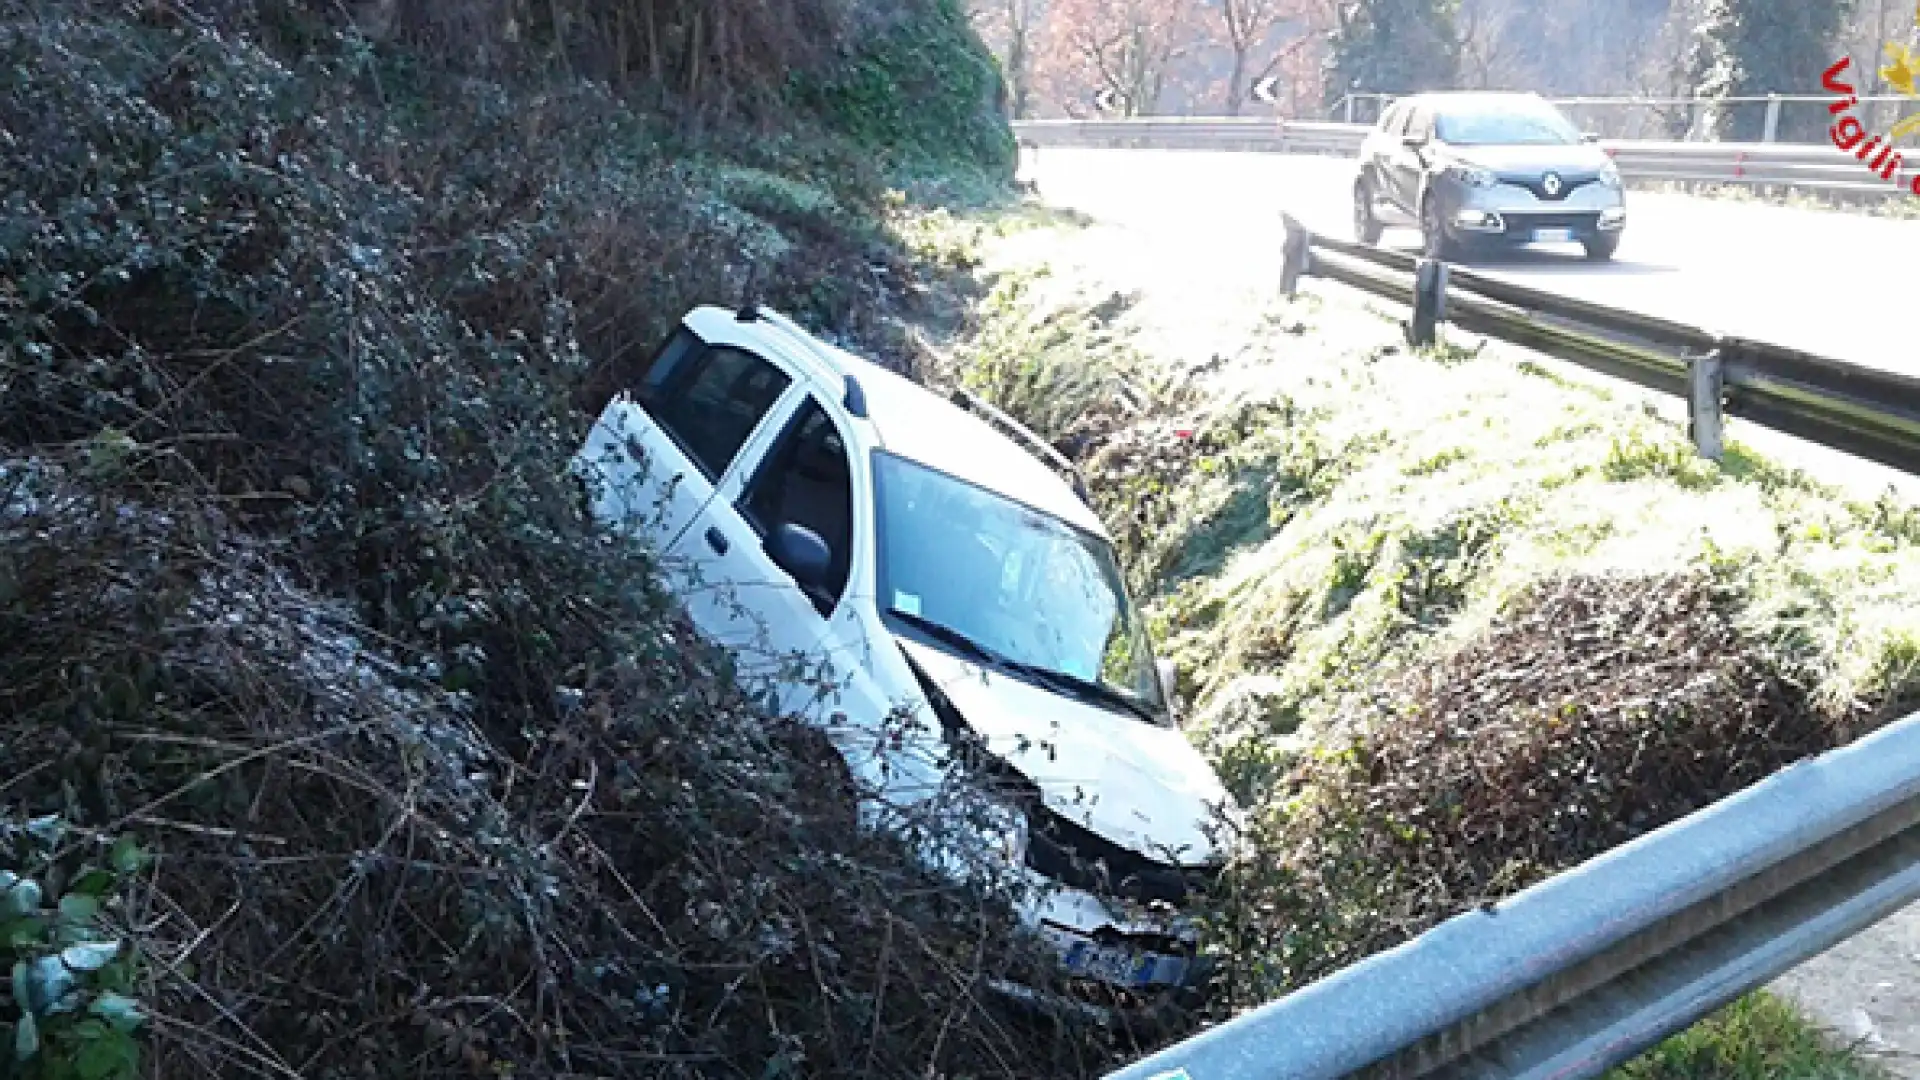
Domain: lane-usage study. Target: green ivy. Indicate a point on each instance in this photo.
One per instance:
(926, 90)
(68, 1010)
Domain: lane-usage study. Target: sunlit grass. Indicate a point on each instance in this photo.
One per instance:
(1760, 1038)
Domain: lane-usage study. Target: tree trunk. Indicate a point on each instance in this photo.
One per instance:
(1237, 82)
(696, 44)
(655, 66)
(558, 13)
(622, 45)
(1017, 73)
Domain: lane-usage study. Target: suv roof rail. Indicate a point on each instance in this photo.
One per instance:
(1019, 432)
(856, 395)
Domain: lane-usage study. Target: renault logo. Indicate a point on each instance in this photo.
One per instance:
(1551, 184)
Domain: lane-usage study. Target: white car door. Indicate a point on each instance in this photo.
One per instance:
(818, 653)
(655, 457)
(798, 472)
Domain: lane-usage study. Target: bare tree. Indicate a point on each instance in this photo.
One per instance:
(1122, 47)
(1249, 24)
(1012, 29)
(1666, 73)
(1482, 47)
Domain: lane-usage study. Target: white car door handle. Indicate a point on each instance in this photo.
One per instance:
(717, 540)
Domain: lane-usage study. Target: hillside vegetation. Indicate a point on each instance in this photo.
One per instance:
(336, 743)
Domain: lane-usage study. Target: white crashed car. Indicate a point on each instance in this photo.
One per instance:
(870, 551)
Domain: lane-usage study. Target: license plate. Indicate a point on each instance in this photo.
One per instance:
(1552, 236)
(1118, 966)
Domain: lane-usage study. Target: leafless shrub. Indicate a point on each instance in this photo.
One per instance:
(1596, 710)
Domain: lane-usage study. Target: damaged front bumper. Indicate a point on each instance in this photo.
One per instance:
(1125, 970)
(1100, 941)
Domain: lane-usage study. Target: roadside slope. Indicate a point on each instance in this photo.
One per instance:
(1340, 537)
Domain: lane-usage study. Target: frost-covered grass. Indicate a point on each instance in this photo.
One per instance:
(1408, 497)
(1347, 507)
(1334, 535)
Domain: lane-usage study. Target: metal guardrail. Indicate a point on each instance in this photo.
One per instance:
(1587, 970)
(1858, 410)
(1195, 133)
(1656, 112)
(1818, 168)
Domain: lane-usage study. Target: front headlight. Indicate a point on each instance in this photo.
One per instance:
(1610, 175)
(1472, 175)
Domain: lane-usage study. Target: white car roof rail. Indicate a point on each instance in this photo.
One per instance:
(1019, 432)
(856, 396)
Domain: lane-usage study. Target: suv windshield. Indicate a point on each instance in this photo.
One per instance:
(1043, 598)
(1518, 124)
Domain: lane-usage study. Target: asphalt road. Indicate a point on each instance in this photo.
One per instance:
(1833, 284)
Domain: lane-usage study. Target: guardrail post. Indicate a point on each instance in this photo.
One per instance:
(1706, 418)
(1772, 128)
(1296, 256)
(1429, 302)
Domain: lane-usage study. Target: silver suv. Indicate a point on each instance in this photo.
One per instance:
(1481, 170)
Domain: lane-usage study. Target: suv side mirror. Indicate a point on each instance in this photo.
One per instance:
(801, 553)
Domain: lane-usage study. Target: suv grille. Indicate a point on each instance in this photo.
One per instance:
(1568, 185)
(1524, 224)
(1080, 859)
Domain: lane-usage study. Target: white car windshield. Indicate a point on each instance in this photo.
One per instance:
(1514, 125)
(1022, 590)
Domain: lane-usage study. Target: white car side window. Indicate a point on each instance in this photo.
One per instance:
(709, 400)
(807, 480)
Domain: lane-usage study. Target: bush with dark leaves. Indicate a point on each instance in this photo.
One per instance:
(295, 587)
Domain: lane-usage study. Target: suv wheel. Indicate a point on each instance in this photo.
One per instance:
(1602, 247)
(1366, 226)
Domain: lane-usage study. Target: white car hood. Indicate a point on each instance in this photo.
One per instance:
(1138, 785)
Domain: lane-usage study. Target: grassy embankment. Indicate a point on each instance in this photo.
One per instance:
(1450, 623)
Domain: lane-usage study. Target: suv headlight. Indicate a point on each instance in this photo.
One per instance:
(1472, 175)
(1610, 175)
